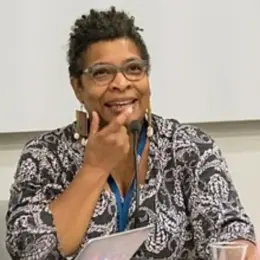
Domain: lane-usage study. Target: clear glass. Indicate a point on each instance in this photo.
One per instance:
(228, 251)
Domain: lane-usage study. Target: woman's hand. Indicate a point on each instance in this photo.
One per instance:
(105, 148)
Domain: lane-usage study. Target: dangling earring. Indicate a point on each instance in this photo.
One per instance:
(148, 117)
(81, 125)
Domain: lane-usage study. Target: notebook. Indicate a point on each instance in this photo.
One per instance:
(119, 246)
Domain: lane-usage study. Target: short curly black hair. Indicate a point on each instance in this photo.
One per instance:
(98, 26)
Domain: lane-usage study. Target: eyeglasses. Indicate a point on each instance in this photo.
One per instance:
(104, 74)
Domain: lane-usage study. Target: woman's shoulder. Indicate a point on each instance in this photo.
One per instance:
(42, 154)
(182, 134)
(189, 144)
(51, 140)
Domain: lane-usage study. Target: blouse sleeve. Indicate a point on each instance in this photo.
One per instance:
(213, 202)
(31, 233)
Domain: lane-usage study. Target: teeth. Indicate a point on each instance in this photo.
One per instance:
(121, 103)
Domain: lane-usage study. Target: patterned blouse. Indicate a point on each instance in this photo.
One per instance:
(188, 195)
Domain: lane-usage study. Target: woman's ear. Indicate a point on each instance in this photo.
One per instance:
(78, 88)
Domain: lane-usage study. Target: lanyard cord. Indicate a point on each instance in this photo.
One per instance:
(123, 206)
(137, 187)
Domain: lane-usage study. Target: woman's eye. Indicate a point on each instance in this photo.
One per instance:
(100, 72)
(134, 68)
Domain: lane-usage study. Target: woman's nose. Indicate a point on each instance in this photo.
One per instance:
(120, 82)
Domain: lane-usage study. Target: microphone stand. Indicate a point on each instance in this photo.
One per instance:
(135, 128)
(137, 189)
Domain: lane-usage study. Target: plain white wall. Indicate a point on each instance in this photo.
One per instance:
(240, 143)
(205, 48)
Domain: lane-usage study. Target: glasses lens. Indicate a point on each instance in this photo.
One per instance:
(135, 70)
(103, 74)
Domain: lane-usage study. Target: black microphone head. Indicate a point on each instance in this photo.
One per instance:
(135, 127)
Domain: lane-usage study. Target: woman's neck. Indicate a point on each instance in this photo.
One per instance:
(129, 157)
(123, 174)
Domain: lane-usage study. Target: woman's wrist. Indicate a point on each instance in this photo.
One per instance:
(95, 172)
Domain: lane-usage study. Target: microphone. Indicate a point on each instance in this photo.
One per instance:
(135, 128)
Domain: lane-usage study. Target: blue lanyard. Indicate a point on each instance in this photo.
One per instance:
(123, 206)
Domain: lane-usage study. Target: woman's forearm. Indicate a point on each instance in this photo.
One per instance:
(73, 209)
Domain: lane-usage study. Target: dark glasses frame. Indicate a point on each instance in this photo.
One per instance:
(117, 69)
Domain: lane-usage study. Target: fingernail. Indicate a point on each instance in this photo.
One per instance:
(129, 110)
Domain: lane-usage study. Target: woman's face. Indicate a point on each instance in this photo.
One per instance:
(108, 92)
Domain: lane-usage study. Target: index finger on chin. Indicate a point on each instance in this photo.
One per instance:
(120, 120)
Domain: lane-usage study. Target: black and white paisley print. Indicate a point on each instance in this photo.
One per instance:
(188, 195)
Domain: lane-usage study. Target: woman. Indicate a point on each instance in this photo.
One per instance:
(62, 193)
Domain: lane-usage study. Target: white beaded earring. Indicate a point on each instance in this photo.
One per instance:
(148, 117)
(81, 125)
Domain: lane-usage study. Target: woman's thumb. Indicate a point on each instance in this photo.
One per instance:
(94, 125)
